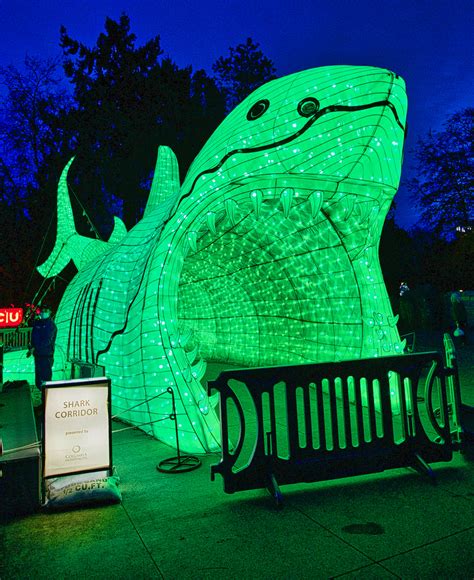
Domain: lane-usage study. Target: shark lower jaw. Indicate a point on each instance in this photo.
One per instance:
(284, 272)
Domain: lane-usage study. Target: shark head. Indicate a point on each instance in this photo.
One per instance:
(341, 123)
(273, 243)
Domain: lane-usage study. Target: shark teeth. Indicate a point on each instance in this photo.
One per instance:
(363, 211)
(316, 201)
(191, 239)
(286, 198)
(341, 207)
(187, 374)
(207, 403)
(347, 203)
(196, 371)
(192, 354)
(211, 222)
(393, 320)
(174, 340)
(214, 399)
(199, 369)
(185, 337)
(231, 208)
(256, 198)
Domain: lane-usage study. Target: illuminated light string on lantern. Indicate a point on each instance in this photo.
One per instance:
(267, 254)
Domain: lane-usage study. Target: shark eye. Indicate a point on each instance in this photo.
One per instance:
(308, 106)
(258, 109)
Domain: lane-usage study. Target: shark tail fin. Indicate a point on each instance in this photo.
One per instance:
(165, 179)
(69, 244)
(66, 228)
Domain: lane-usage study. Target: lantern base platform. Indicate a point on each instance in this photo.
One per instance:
(179, 464)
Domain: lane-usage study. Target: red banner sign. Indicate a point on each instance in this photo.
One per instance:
(10, 317)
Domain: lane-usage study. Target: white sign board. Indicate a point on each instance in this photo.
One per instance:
(76, 426)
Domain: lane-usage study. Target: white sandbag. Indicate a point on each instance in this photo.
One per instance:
(81, 490)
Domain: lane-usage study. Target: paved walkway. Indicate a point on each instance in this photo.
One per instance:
(391, 525)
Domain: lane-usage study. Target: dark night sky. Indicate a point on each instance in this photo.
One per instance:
(427, 42)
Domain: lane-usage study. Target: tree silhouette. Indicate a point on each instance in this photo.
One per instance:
(36, 138)
(244, 70)
(33, 127)
(129, 103)
(444, 189)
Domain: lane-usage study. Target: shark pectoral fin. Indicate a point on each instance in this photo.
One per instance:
(119, 231)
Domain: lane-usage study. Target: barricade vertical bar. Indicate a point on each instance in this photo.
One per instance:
(347, 412)
(411, 407)
(387, 415)
(333, 412)
(453, 387)
(307, 415)
(403, 407)
(359, 415)
(321, 421)
(292, 418)
(443, 405)
(274, 448)
(260, 439)
(224, 423)
(371, 408)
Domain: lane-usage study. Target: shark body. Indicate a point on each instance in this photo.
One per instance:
(267, 254)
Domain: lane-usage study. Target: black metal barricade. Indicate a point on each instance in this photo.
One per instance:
(315, 422)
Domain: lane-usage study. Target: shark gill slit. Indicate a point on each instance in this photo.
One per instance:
(73, 321)
(81, 317)
(94, 308)
(89, 302)
(132, 301)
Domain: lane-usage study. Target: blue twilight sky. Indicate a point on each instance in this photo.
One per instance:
(427, 42)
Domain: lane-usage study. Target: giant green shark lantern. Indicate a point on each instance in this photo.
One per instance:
(266, 255)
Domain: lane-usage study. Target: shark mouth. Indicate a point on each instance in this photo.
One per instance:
(281, 274)
(260, 288)
(267, 255)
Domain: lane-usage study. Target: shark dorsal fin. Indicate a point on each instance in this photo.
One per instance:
(165, 179)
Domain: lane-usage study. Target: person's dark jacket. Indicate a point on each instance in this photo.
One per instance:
(43, 337)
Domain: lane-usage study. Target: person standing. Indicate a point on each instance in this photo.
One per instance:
(43, 338)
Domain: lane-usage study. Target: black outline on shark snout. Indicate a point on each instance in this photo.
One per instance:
(306, 126)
